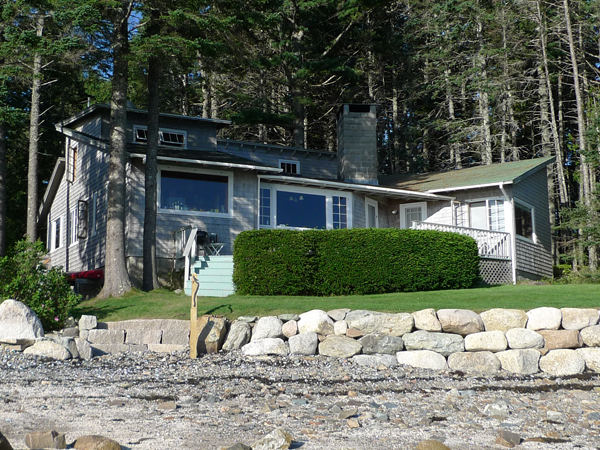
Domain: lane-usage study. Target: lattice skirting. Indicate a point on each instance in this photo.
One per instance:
(495, 271)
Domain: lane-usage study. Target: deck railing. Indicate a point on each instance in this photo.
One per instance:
(491, 244)
(185, 247)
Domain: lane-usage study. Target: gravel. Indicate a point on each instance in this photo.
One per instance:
(151, 401)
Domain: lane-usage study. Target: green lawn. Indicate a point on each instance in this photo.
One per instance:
(165, 304)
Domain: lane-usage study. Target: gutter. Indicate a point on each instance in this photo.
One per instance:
(209, 163)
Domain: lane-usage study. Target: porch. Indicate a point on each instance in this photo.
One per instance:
(495, 250)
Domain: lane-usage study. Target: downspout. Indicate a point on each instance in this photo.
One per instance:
(513, 240)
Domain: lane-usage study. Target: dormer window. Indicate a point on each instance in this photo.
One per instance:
(166, 137)
(288, 166)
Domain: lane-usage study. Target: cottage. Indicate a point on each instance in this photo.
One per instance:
(211, 189)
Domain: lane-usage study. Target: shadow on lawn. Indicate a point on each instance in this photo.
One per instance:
(100, 313)
(222, 309)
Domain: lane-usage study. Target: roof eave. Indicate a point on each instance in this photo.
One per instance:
(210, 163)
(52, 188)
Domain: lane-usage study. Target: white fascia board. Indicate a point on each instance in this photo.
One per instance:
(52, 188)
(80, 137)
(210, 163)
(362, 188)
(475, 186)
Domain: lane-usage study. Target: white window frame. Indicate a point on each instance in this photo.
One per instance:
(487, 200)
(160, 136)
(328, 194)
(371, 202)
(72, 228)
(184, 212)
(293, 163)
(532, 210)
(260, 197)
(61, 240)
(403, 206)
(72, 152)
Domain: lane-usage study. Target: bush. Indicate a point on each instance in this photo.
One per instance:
(23, 277)
(358, 261)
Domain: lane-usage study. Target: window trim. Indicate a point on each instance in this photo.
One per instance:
(61, 240)
(293, 163)
(327, 193)
(402, 214)
(72, 238)
(229, 175)
(531, 208)
(487, 212)
(375, 203)
(160, 140)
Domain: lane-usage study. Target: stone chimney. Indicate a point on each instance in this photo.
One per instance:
(357, 143)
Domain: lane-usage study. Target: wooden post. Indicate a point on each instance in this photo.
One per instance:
(194, 318)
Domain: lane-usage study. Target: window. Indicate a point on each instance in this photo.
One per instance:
(56, 239)
(72, 162)
(487, 215)
(166, 137)
(265, 208)
(303, 208)
(524, 221)
(72, 227)
(194, 191)
(412, 212)
(82, 219)
(371, 213)
(292, 167)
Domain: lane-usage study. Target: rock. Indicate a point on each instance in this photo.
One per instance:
(45, 439)
(239, 446)
(554, 339)
(83, 348)
(591, 356)
(106, 336)
(17, 321)
(442, 343)
(427, 320)
(290, 328)
(354, 333)
(287, 317)
(431, 444)
(304, 344)
(238, 336)
(591, 336)
(247, 319)
(278, 439)
(482, 362)
(95, 442)
(267, 346)
(4, 444)
(49, 349)
(372, 322)
(519, 338)
(141, 336)
(525, 361)
(562, 363)
(338, 314)
(169, 405)
(353, 423)
(167, 348)
(340, 327)
(70, 332)
(212, 333)
(508, 439)
(316, 321)
(339, 347)
(425, 359)
(88, 322)
(578, 318)
(544, 318)
(174, 332)
(499, 319)
(492, 341)
(381, 344)
(347, 413)
(375, 360)
(66, 342)
(267, 327)
(497, 409)
(460, 321)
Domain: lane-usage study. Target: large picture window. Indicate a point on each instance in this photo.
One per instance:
(195, 192)
(303, 208)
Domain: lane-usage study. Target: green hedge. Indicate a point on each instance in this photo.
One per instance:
(358, 261)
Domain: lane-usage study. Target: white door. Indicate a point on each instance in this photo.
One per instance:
(372, 213)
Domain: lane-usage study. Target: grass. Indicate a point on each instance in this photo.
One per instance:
(168, 305)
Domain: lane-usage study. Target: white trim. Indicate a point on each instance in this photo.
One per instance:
(209, 163)
(327, 193)
(160, 136)
(72, 238)
(371, 202)
(534, 239)
(291, 162)
(505, 212)
(61, 241)
(498, 184)
(403, 206)
(229, 175)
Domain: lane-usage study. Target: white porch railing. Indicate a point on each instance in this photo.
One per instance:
(185, 247)
(491, 244)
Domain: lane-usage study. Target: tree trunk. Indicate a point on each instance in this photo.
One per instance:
(34, 137)
(2, 188)
(150, 275)
(484, 104)
(116, 277)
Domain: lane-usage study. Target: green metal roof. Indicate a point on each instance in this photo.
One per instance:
(510, 172)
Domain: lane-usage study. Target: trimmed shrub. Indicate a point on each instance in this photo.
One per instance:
(357, 261)
(23, 277)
